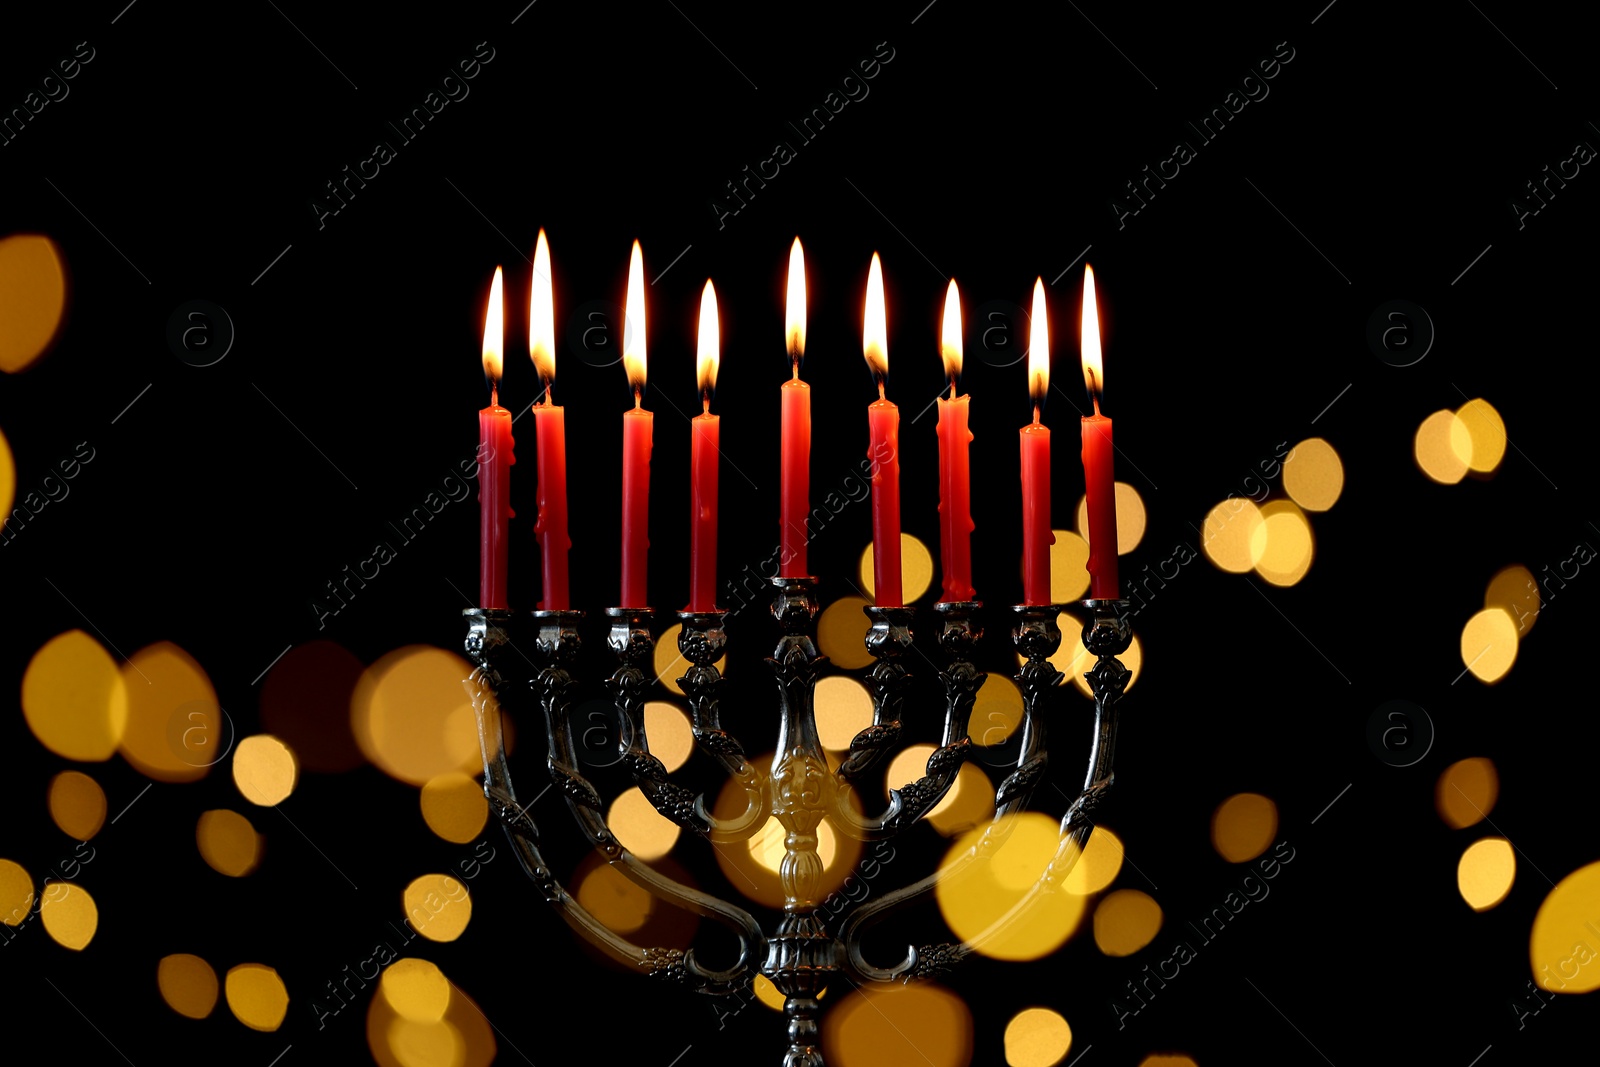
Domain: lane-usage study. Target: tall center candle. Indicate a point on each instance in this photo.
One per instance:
(795, 434)
(494, 461)
(883, 425)
(704, 452)
(955, 486)
(637, 433)
(1036, 533)
(550, 429)
(1099, 483)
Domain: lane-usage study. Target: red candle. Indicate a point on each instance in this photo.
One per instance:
(795, 443)
(955, 487)
(550, 426)
(883, 425)
(1099, 484)
(494, 462)
(704, 433)
(1036, 535)
(637, 431)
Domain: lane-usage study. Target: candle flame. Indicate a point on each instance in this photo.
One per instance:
(494, 331)
(1094, 375)
(1039, 346)
(633, 357)
(541, 315)
(950, 336)
(795, 305)
(874, 330)
(709, 357)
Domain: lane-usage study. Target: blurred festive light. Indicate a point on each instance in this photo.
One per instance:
(1489, 644)
(473, 1026)
(1130, 522)
(1485, 872)
(416, 989)
(1037, 1037)
(16, 893)
(454, 807)
(842, 631)
(753, 868)
(1125, 922)
(1485, 444)
(1097, 867)
(1069, 559)
(437, 906)
(176, 731)
(461, 1037)
(1514, 591)
(892, 1023)
(1441, 445)
(74, 698)
(969, 801)
(69, 914)
(669, 662)
(843, 709)
(916, 568)
(1167, 1060)
(264, 769)
(1313, 476)
(1466, 792)
(639, 827)
(1243, 826)
(997, 711)
(669, 732)
(1282, 544)
(1228, 535)
(33, 295)
(188, 985)
(227, 842)
(768, 993)
(305, 700)
(1561, 947)
(606, 893)
(256, 996)
(8, 476)
(77, 804)
(412, 716)
(973, 898)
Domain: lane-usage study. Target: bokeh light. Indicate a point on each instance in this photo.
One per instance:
(1466, 792)
(454, 807)
(8, 476)
(1228, 535)
(305, 700)
(842, 632)
(264, 770)
(74, 698)
(228, 843)
(1514, 591)
(1562, 947)
(1485, 444)
(1441, 446)
(77, 804)
(1130, 521)
(188, 985)
(412, 716)
(968, 802)
(1243, 826)
(437, 906)
(33, 295)
(891, 1023)
(669, 732)
(416, 989)
(974, 898)
(460, 1037)
(176, 730)
(1313, 476)
(1098, 865)
(1069, 562)
(639, 827)
(1037, 1037)
(1489, 644)
(610, 896)
(1282, 544)
(843, 709)
(916, 569)
(256, 996)
(1485, 873)
(752, 868)
(1167, 1059)
(16, 893)
(1125, 922)
(767, 993)
(69, 914)
(997, 711)
(670, 664)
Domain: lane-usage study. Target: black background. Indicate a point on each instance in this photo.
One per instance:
(185, 164)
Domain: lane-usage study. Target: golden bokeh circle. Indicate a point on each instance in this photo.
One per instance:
(1441, 443)
(1243, 826)
(1126, 921)
(1282, 545)
(256, 996)
(997, 711)
(8, 475)
(669, 732)
(1037, 1037)
(1099, 864)
(412, 716)
(639, 827)
(842, 632)
(1485, 872)
(1563, 949)
(975, 896)
(437, 906)
(69, 914)
(16, 893)
(1313, 475)
(1466, 792)
(454, 807)
(916, 569)
(1489, 644)
(1515, 591)
(74, 698)
(228, 842)
(188, 985)
(33, 296)
(77, 804)
(1485, 444)
(176, 730)
(1228, 534)
(614, 899)
(264, 769)
(416, 989)
(1069, 566)
(893, 1023)
(843, 709)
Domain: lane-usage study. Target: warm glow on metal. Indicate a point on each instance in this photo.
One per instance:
(874, 330)
(1093, 374)
(1039, 346)
(709, 358)
(541, 315)
(950, 336)
(494, 330)
(794, 317)
(633, 358)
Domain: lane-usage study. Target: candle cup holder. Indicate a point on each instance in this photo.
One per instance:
(800, 956)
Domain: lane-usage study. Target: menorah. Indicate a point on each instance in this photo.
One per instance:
(800, 789)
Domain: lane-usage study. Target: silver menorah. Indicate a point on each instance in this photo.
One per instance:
(800, 789)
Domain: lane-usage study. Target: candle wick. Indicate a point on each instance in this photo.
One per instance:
(548, 397)
(1036, 413)
(1096, 401)
(794, 364)
(880, 390)
(494, 394)
(705, 404)
(638, 398)
(953, 390)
